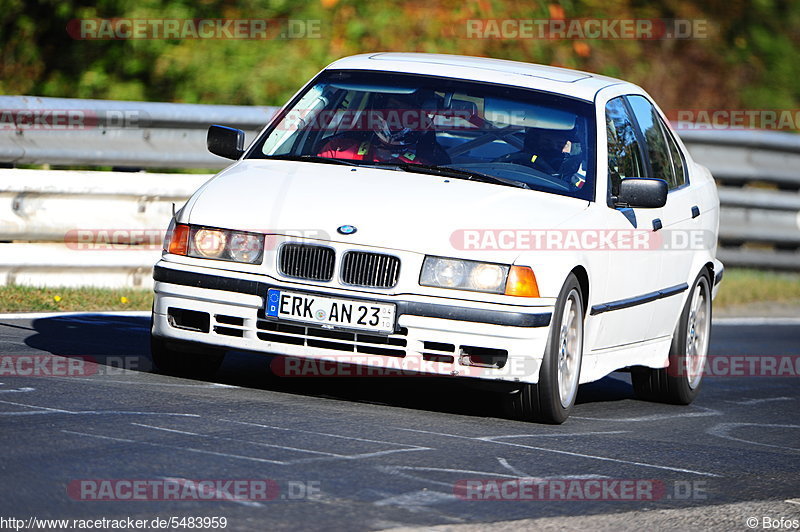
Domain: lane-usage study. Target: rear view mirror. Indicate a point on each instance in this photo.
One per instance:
(513, 113)
(646, 193)
(225, 141)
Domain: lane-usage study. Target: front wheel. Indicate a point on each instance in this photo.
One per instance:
(679, 383)
(552, 399)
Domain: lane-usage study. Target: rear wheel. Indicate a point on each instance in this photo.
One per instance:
(184, 360)
(552, 399)
(679, 383)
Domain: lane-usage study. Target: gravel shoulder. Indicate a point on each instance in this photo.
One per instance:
(757, 515)
(767, 309)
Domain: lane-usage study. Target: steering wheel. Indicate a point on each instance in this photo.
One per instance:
(568, 167)
(513, 157)
(525, 160)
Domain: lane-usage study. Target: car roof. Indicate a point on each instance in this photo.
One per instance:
(574, 83)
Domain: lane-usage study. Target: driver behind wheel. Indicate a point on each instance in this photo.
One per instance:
(399, 131)
(550, 151)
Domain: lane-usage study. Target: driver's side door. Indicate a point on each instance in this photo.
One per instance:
(625, 307)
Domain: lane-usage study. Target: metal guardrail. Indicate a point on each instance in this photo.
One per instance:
(75, 228)
(758, 173)
(65, 131)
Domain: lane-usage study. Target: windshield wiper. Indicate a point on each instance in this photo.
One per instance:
(458, 173)
(312, 159)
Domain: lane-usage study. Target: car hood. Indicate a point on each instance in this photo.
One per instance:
(389, 208)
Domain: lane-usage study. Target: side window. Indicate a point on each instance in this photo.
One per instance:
(665, 160)
(624, 154)
(677, 159)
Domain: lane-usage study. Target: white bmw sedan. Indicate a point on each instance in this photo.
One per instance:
(524, 226)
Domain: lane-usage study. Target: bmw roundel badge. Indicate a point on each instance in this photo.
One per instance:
(347, 229)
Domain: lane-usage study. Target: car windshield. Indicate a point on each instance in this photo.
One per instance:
(495, 133)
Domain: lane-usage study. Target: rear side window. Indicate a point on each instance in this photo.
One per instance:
(678, 164)
(664, 156)
(624, 153)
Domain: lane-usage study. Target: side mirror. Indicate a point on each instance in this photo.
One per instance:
(646, 193)
(225, 141)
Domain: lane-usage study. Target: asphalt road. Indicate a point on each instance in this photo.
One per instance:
(356, 454)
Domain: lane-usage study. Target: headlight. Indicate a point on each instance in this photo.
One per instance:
(246, 247)
(464, 275)
(210, 243)
(447, 273)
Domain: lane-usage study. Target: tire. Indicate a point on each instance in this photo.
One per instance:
(184, 362)
(680, 382)
(552, 399)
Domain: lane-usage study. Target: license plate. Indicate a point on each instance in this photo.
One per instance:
(330, 312)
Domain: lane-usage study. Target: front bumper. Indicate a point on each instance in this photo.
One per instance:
(432, 336)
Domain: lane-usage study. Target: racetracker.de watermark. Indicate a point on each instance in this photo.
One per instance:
(120, 239)
(734, 119)
(583, 28)
(579, 489)
(73, 366)
(93, 29)
(349, 365)
(71, 119)
(181, 489)
(741, 366)
(581, 239)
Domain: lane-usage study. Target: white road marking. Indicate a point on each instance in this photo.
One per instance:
(400, 471)
(101, 380)
(188, 449)
(47, 410)
(220, 496)
(563, 434)
(324, 455)
(492, 439)
(43, 408)
(166, 429)
(364, 455)
(759, 401)
(260, 444)
(793, 501)
(28, 413)
(324, 434)
(722, 430)
(504, 463)
(522, 474)
(704, 412)
(415, 501)
(18, 390)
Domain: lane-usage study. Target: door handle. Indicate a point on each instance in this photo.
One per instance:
(657, 224)
(695, 211)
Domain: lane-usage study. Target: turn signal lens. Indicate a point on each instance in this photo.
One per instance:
(179, 240)
(522, 282)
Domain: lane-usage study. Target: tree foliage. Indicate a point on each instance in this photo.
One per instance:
(748, 60)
